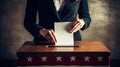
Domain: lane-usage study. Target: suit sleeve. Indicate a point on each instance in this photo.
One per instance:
(84, 13)
(30, 18)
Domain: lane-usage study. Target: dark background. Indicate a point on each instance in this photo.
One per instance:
(105, 26)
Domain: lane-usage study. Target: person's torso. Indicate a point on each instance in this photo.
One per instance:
(48, 14)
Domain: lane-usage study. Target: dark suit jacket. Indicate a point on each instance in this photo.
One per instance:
(48, 15)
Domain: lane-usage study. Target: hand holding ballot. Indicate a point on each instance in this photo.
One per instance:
(75, 26)
(49, 35)
(66, 28)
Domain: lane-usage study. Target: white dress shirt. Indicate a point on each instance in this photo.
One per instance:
(58, 4)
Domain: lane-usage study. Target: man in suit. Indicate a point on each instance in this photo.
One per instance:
(50, 11)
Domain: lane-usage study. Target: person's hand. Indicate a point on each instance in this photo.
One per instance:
(49, 35)
(75, 26)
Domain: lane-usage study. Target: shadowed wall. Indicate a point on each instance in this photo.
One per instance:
(104, 27)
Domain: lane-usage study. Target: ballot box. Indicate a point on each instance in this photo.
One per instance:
(82, 54)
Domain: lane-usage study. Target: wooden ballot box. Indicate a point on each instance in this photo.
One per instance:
(83, 54)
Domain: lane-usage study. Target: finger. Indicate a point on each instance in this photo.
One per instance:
(69, 27)
(48, 37)
(76, 22)
(75, 27)
(51, 36)
(53, 33)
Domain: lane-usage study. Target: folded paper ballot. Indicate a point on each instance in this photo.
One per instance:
(64, 38)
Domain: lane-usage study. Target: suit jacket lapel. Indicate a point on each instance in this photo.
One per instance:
(61, 11)
(51, 3)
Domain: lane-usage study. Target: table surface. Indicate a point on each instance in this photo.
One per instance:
(85, 46)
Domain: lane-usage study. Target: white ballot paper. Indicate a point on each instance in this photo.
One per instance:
(64, 38)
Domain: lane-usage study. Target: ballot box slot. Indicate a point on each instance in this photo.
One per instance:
(53, 46)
